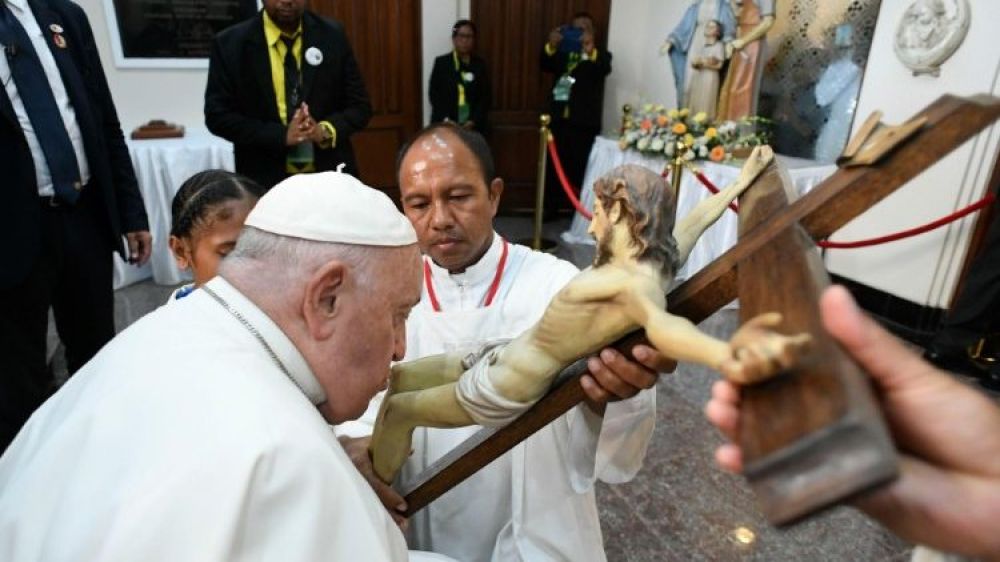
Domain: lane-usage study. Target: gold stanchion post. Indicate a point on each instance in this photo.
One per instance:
(676, 169)
(626, 118)
(537, 241)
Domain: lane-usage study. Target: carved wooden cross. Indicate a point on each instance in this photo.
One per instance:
(811, 437)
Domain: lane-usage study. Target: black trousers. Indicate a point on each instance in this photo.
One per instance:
(573, 143)
(73, 275)
(976, 311)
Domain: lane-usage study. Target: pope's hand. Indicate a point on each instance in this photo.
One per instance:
(357, 450)
(614, 377)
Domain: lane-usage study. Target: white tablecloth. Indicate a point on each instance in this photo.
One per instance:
(605, 156)
(161, 166)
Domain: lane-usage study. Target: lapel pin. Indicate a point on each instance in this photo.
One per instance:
(59, 40)
(56, 28)
(314, 56)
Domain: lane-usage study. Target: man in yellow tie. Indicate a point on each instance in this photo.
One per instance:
(315, 102)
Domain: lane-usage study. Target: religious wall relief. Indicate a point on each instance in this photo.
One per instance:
(929, 32)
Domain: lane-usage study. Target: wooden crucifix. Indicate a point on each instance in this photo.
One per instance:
(811, 437)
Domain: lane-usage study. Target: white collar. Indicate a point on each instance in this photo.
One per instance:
(288, 355)
(482, 271)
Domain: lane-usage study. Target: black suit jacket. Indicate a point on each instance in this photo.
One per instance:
(586, 99)
(240, 104)
(120, 204)
(444, 91)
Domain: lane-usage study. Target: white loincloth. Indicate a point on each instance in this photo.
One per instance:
(480, 399)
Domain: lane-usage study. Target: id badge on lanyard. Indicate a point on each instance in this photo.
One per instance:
(560, 92)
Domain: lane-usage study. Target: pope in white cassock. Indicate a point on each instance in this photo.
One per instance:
(537, 501)
(201, 432)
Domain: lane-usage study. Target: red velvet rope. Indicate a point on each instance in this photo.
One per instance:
(564, 182)
(711, 187)
(984, 202)
(828, 244)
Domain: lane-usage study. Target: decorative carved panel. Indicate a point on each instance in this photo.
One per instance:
(800, 47)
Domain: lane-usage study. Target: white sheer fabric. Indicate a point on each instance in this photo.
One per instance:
(161, 166)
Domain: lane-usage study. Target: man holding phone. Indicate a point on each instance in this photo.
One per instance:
(576, 100)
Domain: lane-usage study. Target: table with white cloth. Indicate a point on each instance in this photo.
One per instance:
(161, 166)
(605, 156)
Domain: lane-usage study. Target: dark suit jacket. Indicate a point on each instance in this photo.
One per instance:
(121, 208)
(240, 105)
(444, 91)
(586, 99)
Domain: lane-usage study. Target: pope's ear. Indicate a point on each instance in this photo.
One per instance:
(321, 301)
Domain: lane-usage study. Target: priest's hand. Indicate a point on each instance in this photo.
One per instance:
(614, 377)
(948, 493)
(357, 450)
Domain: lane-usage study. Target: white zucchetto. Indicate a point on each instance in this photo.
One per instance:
(331, 207)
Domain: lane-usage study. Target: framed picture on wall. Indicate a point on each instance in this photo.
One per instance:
(170, 33)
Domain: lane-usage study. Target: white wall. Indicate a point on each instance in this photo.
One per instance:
(638, 73)
(178, 95)
(924, 269)
(144, 94)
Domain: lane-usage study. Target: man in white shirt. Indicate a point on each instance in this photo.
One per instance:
(537, 501)
(201, 432)
(69, 199)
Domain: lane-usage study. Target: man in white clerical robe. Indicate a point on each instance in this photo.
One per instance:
(537, 501)
(202, 431)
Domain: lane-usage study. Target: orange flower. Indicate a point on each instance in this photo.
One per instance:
(662, 120)
(680, 128)
(646, 124)
(717, 154)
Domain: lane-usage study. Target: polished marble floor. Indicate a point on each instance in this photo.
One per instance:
(680, 507)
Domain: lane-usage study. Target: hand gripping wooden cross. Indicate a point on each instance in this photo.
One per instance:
(813, 436)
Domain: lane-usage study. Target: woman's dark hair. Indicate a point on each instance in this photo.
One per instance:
(202, 193)
(463, 23)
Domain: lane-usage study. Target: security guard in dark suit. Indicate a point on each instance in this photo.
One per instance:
(69, 195)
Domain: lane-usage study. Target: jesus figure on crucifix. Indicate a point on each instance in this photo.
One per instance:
(639, 249)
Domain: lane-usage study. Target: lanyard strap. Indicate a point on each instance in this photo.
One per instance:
(490, 293)
(461, 79)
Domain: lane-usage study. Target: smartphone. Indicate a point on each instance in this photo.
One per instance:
(571, 39)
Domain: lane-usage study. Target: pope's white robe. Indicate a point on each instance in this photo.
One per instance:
(182, 440)
(537, 501)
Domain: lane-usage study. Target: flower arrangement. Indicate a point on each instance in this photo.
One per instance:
(657, 130)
